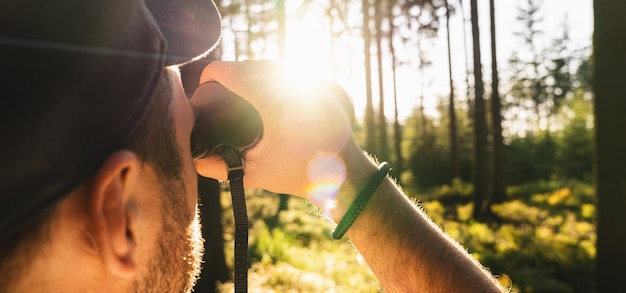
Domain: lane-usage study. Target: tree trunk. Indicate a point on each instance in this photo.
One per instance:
(383, 147)
(214, 268)
(235, 33)
(248, 50)
(498, 187)
(370, 135)
(609, 50)
(468, 91)
(397, 130)
(283, 204)
(455, 168)
(468, 87)
(282, 29)
(481, 156)
(424, 121)
(333, 36)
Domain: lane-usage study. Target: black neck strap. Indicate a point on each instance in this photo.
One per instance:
(233, 160)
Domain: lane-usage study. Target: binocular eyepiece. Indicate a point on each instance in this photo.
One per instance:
(222, 119)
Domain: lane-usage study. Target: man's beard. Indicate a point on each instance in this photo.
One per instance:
(177, 262)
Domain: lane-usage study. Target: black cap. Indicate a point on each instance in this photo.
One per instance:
(76, 76)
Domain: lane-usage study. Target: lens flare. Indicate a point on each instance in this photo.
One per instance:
(326, 173)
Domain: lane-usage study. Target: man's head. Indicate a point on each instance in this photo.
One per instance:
(134, 218)
(97, 187)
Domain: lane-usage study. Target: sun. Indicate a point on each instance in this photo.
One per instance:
(308, 51)
(314, 57)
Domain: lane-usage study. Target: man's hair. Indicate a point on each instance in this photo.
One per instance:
(153, 141)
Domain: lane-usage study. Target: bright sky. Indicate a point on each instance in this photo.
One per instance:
(309, 50)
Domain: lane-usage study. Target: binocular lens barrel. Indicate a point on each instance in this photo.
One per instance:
(223, 118)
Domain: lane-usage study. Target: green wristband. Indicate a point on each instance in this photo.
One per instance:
(361, 200)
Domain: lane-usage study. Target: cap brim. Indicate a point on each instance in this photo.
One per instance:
(192, 28)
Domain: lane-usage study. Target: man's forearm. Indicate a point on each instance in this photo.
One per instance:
(407, 251)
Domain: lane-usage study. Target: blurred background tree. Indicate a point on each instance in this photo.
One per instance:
(609, 45)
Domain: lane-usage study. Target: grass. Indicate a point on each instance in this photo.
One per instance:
(545, 241)
(298, 255)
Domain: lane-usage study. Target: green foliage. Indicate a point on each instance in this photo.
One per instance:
(270, 246)
(457, 189)
(530, 158)
(450, 201)
(575, 144)
(299, 255)
(428, 150)
(567, 153)
(584, 74)
(545, 240)
(430, 164)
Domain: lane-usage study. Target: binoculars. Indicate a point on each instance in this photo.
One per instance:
(226, 119)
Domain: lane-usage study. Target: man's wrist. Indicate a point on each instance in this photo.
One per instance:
(362, 199)
(359, 169)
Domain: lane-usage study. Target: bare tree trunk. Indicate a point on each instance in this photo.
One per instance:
(498, 187)
(235, 33)
(214, 268)
(370, 142)
(333, 37)
(423, 114)
(609, 50)
(383, 147)
(468, 91)
(248, 49)
(455, 168)
(481, 156)
(282, 29)
(397, 130)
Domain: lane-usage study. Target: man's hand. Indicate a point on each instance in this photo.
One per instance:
(305, 126)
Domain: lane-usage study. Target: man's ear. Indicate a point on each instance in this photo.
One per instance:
(111, 212)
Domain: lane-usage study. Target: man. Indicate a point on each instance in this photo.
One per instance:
(97, 183)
